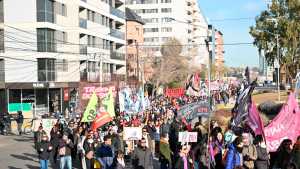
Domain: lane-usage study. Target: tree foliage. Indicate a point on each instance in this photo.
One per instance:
(282, 19)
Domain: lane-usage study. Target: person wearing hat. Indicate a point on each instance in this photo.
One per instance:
(44, 149)
(64, 150)
(20, 120)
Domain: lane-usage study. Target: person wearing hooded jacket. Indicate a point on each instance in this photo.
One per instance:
(234, 158)
(262, 161)
(44, 149)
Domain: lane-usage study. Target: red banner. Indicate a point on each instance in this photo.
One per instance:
(175, 92)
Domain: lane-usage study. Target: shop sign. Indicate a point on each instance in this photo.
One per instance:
(100, 91)
(39, 85)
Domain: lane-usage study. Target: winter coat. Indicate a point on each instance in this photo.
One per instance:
(165, 151)
(262, 161)
(296, 154)
(233, 157)
(20, 119)
(142, 158)
(251, 152)
(68, 147)
(105, 155)
(180, 163)
(165, 128)
(43, 150)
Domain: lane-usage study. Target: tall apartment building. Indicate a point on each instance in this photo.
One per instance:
(166, 19)
(49, 47)
(219, 54)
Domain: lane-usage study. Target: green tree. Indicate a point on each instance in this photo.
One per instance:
(281, 19)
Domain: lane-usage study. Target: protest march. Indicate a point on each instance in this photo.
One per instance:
(172, 130)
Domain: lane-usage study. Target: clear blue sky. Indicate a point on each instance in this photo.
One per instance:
(235, 31)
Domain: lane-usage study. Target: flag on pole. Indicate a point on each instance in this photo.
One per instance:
(242, 105)
(90, 111)
(107, 111)
(254, 120)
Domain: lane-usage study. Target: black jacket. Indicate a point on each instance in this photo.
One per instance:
(43, 150)
(262, 161)
(180, 164)
(142, 158)
(20, 119)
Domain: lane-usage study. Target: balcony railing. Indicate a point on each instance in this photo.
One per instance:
(117, 56)
(117, 77)
(117, 12)
(83, 49)
(89, 77)
(82, 23)
(117, 34)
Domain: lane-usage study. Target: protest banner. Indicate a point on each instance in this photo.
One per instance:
(188, 137)
(193, 110)
(284, 126)
(132, 133)
(132, 101)
(48, 125)
(174, 92)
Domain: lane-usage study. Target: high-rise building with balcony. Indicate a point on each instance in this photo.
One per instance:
(167, 19)
(49, 47)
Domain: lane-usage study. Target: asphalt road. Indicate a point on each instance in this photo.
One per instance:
(17, 152)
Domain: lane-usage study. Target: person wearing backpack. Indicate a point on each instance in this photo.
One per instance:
(64, 151)
(44, 149)
(234, 158)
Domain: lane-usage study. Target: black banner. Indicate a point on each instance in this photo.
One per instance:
(194, 110)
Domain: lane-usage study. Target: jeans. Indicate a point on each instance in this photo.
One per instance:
(66, 161)
(44, 164)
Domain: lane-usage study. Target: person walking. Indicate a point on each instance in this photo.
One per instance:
(105, 154)
(296, 153)
(55, 137)
(234, 157)
(283, 154)
(64, 151)
(20, 120)
(119, 162)
(142, 157)
(89, 150)
(184, 162)
(262, 161)
(44, 149)
(249, 152)
(165, 152)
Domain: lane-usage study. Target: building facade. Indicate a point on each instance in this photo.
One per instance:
(50, 47)
(134, 36)
(167, 19)
(219, 54)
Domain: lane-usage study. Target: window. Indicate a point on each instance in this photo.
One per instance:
(1, 40)
(2, 70)
(91, 15)
(166, 1)
(165, 20)
(91, 66)
(152, 39)
(146, 11)
(151, 20)
(166, 29)
(150, 29)
(61, 9)
(1, 12)
(141, 1)
(46, 69)
(166, 10)
(61, 37)
(45, 10)
(166, 39)
(46, 40)
(62, 65)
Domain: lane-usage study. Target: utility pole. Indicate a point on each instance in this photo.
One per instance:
(137, 61)
(278, 66)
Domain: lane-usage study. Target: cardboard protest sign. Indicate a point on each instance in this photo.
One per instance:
(187, 137)
(48, 125)
(132, 133)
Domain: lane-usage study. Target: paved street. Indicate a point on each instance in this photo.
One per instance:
(17, 152)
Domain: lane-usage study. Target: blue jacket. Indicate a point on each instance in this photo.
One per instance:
(233, 158)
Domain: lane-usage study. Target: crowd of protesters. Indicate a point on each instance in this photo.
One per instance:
(159, 147)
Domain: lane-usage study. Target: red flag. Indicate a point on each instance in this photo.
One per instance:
(254, 120)
(100, 120)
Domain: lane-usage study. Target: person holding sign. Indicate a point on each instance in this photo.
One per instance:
(184, 162)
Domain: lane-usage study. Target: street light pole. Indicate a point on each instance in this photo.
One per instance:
(278, 66)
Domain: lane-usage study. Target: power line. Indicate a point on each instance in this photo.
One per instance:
(232, 19)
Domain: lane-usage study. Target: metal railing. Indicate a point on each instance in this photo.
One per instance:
(117, 12)
(117, 55)
(117, 34)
